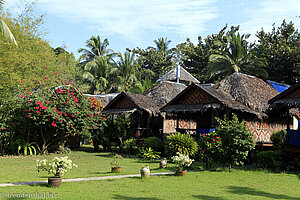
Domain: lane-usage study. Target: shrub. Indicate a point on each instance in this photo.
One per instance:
(237, 140)
(209, 148)
(155, 143)
(149, 154)
(130, 145)
(182, 143)
(278, 138)
(273, 160)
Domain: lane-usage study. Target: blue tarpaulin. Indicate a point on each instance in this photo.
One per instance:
(278, 86)
(204, 131)
(293, 137)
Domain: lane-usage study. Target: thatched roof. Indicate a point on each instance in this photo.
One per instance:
(248, 90)
(289, 98)
(164, 92)
(128, 102)
(183, 76)
(212, 98)
(104, 98)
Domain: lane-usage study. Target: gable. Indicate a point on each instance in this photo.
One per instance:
(195, 96)
(121, 102)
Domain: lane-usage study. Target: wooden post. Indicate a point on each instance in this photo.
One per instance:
(288, 119)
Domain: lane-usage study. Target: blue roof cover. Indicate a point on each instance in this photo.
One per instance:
(278, 86)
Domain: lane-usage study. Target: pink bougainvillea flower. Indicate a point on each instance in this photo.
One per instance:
(37, 112)
(214, 140)
(37, 108)
(4, 128)
(76, 101)
(91, 115)
(66, 114)
(53, 123)
(91, 127)
(73, 115)
(28, 116)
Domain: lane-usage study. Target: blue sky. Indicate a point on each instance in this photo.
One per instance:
(136, 23)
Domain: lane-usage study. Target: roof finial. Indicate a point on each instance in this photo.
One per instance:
(178, 74)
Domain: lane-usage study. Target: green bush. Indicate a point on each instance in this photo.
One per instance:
(182, 143)
(237, 141)
(155, 143)
(272, 160)
(130, 145)
(278, 138)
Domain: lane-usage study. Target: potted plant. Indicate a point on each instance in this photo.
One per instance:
(182, 161)
(115, 165)
(58, 166)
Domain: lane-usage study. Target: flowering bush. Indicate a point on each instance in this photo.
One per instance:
(58, 166)
(182, 160)
(116, 163)
(52, 114)
(209, 148)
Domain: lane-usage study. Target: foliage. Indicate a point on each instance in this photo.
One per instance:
(58, 166)
(182, 143)
(278, 138)
(209, 148)
(130, 145)
(112, 131)
(154, 142)
(27, 67)
(116, 162)
(236, 58)
(159, 59)
(28, 148)
(51, 114)
(272, 160)
(237, 140)
(99, 74)
(182, 161)
(280, 48)
(149, 154)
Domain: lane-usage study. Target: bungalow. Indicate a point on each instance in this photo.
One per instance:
(195, 108)
(288, 104)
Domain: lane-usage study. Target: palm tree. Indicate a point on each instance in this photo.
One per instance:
(4, 28)
(162, 45)
(237, 58)
(127, 67)
(99, 74)
(96, 48)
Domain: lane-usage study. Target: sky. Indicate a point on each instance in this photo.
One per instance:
(137, 23)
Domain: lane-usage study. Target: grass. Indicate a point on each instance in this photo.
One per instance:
(195, 185)
(90, 164)
(218, 185)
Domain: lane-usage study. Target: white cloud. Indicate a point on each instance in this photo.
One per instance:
(133, 18)
(268, 12)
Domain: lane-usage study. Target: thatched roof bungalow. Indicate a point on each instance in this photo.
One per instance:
(146, 118)
(196, 107)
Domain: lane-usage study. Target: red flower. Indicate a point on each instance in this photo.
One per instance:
(53, 123)
(28, 116)
(73, 115)
(37, 112)
(214, 140)
(37, 108)
(91, 127)
(91, 115)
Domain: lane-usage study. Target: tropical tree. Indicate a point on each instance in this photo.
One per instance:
(127, 67)
(96, 48)
(159, 59)
(237, 58)
(4, 28)
(281, 50)
(99, 74)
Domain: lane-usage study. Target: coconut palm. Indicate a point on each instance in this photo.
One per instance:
(127, 67)
(162, 45)
(4, 28)
(236, 58)
(96, 48)
(99, 74)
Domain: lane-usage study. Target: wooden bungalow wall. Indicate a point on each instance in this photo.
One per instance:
(262, 130)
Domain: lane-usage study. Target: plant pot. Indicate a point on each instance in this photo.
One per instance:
(163, 164)
(116, 169)
(145, 172)
(180, 172)
(54, 181)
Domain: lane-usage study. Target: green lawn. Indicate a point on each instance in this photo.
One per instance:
(221, 185)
